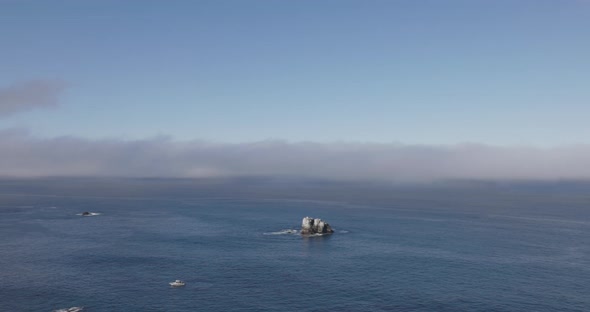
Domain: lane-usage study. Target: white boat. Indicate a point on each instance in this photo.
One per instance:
(88, 214)
(177, 283)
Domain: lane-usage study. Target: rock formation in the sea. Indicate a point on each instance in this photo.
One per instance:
(315, 226)
(86, 213)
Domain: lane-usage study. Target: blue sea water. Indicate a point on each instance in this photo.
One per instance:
(235, 255)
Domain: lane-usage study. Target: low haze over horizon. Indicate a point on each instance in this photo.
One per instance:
(401, 90)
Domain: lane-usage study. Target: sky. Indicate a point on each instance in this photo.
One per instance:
(347, 79)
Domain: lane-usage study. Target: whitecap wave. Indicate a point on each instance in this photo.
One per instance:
(283, 232)
(314, 235)
(72, 309)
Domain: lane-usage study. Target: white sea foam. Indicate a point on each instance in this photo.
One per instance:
(72, 309)
(283, 232)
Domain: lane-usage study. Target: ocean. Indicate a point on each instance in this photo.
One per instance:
(493, 247)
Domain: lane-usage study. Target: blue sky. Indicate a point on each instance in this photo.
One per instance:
(417, 72)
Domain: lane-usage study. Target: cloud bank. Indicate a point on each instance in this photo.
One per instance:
(23, 155)
(29, 95)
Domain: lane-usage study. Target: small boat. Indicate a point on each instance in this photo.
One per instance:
(177, 283)
(89, 214)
